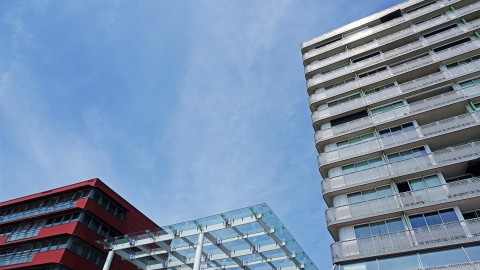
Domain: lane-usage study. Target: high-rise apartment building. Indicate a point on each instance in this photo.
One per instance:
(395, 101)
(58, 229)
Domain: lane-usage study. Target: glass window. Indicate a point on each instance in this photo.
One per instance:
(443, 257)
(433, 218)
(395, 157)
(432, 181)
(473, 253)
(388, 131)
(354, 197)
(448, 215)
(399, 263)
(395, 225)
(378, 228)
(348, 169)
(384, 191)
(356, 140)
(378, 89)
(417, 184)
(370, 265)
(362, 231)
(386, 108)
(417, 221)
(462, 62)
(340, 83)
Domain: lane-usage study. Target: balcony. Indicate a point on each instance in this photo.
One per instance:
(377, 29)
(442, 235)
(427, 131)
(396, 70)
(423, 43)
(455, 191)
(397, 91)
(437, 159)
(411, 109)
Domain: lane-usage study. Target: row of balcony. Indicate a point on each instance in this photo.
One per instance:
(399, 69)
(399, 90)
(454, 191)
(437, 159)
(453, 233)
(422, 43)
(402, 137)
(404, 111)
(412, 30)
(373, 30)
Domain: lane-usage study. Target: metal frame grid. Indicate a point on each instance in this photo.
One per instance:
(251, 238)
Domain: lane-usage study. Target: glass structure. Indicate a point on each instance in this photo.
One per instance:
(248, 238)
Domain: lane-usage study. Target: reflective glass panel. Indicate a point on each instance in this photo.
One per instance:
(395, 225)
(448, 215)
(371, 265)
(362, 231)
(443, 257)
(417, 221)
(399, 263)
(473, 253)
(433, 218)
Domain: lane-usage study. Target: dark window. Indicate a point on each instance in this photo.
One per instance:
(420, 7)
(365, 57)
(348, 118)
(453, 44)
(391, 16)
(440, 30)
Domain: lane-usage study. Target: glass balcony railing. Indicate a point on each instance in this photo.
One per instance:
(459, 232)
(459, 190)
(437, 159)
(420, 106)
(380, 28)
(433, 129)
(393, 71)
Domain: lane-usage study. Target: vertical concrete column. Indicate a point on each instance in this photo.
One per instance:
(108, 262)
(198, 253)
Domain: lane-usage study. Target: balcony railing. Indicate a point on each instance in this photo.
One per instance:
(394, 71)
(459, 190)
(420, 106)
(430, 130)
(437, 159)
(441, 235)
(474, 265)
(379, 28)
(424, 43)
(399, 90)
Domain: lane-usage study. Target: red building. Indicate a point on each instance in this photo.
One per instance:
(58, 229)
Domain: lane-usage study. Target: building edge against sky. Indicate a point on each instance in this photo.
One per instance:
(58, 229)
(395, 101)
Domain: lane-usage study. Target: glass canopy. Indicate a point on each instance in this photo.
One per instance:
(251, 238)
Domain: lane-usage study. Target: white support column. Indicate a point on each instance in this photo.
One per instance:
(108, 262)
(198, 252)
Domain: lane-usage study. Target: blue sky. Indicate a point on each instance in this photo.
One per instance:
(185, 108)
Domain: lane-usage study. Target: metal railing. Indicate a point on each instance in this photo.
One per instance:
(382, 27)
(409, 240)
(393, 71)
(440, 158)
(420, 106)
(401, 137)
(459, 190)
(423, 43)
